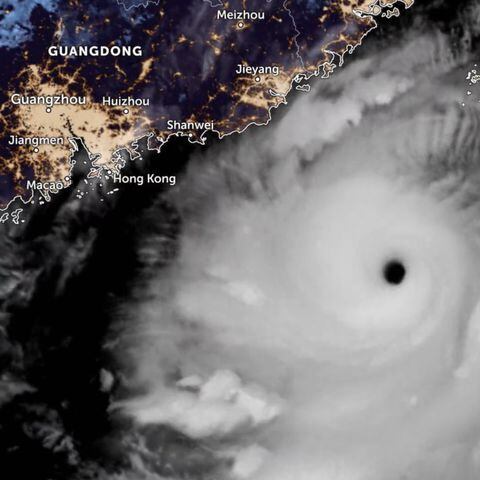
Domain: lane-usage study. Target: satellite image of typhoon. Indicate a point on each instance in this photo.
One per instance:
(186, 298)
(97, 77)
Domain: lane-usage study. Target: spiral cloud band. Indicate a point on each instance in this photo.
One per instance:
(321, 319)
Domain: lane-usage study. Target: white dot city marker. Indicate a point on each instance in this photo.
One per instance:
(36, 150)
(49, 109)
(126, 111)
(257, 79)
(240, 25)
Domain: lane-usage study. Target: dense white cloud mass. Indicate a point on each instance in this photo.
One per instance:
(322, 319)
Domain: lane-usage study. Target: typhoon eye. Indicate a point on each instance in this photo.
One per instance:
(394, 272)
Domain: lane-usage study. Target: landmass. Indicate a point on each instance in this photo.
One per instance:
(99, 77)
